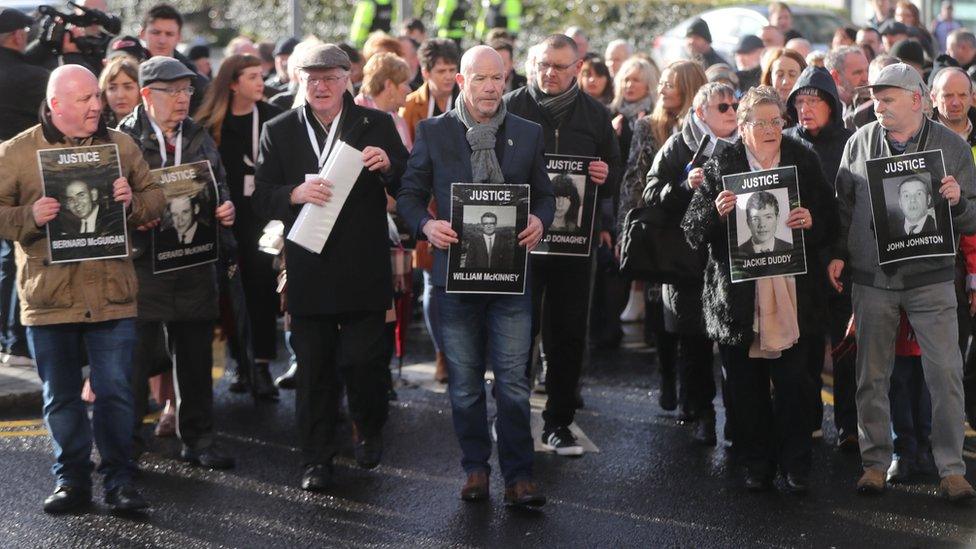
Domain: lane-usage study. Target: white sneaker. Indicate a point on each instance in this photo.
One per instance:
(561, 441)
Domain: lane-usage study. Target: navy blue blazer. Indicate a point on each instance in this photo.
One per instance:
(441, 156)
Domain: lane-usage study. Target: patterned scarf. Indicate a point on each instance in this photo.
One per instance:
(556, 106)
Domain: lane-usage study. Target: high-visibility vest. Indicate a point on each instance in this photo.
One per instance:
(371, 16)
(451, 19)
(499, 14)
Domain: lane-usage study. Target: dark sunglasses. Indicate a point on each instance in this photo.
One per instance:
(724, 107)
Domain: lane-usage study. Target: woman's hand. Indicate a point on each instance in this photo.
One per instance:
(725, 203)
(618, 124)
(799, 218)
(695, 178)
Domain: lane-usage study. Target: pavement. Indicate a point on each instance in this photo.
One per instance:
(643, 484)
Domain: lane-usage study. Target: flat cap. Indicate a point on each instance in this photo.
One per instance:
(162, 69)
(899, 75)
(749, 43)
(324, 56)
(12, 19)
(285, 46)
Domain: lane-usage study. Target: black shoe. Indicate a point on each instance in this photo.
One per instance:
(368, 451)
(847, 442)
(66, 498)
(241, 382)
(317, 477)
(797, 484)
(209, 457)
(125, 499)
(287, 380)
(561, 441)
(705, 429)
(758, 482)
(264, 388)
(901, 471)
(668, 401)
(685, 417)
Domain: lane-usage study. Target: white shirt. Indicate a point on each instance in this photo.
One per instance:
(489, 242)
(187, 236)
(88, 223)
(915, 228)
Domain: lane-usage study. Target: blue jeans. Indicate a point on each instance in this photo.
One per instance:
(57, 350)
(476, 330)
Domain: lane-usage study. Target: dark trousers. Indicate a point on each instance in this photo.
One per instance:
(259, 281)
(966, 327)
(845, 382)
(610, 291)
(911, 408)
(13, 336)
(815, 366)
(560, 303)
(333, 351)
(186, 346)
(772, 429)
(695, 372)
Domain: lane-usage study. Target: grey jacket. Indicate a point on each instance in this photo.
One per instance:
(856, 243)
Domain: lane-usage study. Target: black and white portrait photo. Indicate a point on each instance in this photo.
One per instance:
(487, 259)
(568, 190)
(911, 219)
(571, 231)
(90, 224)
(187, 233)
(764, 220)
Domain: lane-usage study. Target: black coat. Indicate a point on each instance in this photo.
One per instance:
(22, 91)
(729, 308)
(353, 272)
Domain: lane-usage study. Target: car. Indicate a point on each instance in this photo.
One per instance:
(727, 25)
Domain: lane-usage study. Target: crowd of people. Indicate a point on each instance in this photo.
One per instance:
(424, 114)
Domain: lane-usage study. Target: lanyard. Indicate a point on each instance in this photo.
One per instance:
(322, 154)
(431, 103)
(255, 125)
(162, 144)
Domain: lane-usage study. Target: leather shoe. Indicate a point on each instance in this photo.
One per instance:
(241, 383)
(263, 387)
(705, 429)
(317, 477)
(524, 494)
(847, 442)
(65, 498)
(758, 482)
(287, 380)
(125, 499)
(476, 488)
(209, 457)
(957, 489)
(668, 401)
(368, 451)
(797, 483)
(872, 482)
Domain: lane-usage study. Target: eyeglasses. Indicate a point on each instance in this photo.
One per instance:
(173, 92)
(543, 66)
(331, 80)
(762, 125)
(724, 107)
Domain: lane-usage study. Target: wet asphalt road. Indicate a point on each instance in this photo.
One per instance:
(649, 486)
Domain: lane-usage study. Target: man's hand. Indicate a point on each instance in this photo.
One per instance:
(532, 234)
(799, 218)
(599, 170)
(950, 190)
(314, 190)
(375, 158)
(834, 270)
(122, 191)
(226, 214)
(45, 209)
(439, 233)
(725, 203)
(606, 239)
(695, 178)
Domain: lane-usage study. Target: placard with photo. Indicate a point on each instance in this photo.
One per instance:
(761, 245)
(911, 218)
(488, 219)
(571, 232)
(90, 223)
(187, 234)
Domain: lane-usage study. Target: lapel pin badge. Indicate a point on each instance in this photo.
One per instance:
(511, 143)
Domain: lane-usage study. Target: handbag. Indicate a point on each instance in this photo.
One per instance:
(653, 248)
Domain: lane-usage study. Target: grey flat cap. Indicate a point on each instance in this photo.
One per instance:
(899, 75)
(12, 19)
(324, 56)
(162, 69)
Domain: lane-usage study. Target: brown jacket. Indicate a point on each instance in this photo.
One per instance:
(415, 109)
(86, 291)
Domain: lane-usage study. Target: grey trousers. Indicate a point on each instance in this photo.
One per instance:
(932, 313)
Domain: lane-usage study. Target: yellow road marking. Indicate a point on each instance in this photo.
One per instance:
(21, 423)
(28, 433)
(827, 397)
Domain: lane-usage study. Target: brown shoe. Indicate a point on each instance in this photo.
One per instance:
(524, 493)
(476, 488)
(440, 371)
(872, 482)
(957, 489)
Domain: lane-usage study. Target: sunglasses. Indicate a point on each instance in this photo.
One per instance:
(724, 107)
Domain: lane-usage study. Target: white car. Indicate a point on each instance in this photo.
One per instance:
(727, 25)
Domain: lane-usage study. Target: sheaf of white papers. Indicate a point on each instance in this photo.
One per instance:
(314, 224)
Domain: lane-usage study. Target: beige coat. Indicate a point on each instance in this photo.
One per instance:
(87, 291)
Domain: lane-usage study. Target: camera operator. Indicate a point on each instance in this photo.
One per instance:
(23, 85)
(78, 38)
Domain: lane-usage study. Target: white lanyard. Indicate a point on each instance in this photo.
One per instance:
(431, 103)
(322, 154)
(162, 144)
(255, 124)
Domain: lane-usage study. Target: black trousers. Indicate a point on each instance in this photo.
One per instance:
(334, 350)
(260, 281)
(560, 303)
(845, 382)
(185, 346)
(772, 429)
(695, 372)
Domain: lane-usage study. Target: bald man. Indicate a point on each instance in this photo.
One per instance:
(91, 302)
(952, 96)
(468, 322)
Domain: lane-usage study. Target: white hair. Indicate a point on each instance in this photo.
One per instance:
(614, 44)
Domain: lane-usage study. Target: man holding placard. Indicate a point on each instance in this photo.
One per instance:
(338, 296)
(91, 302)
(913, 272)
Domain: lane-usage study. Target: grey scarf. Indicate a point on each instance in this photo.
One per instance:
(481, 137)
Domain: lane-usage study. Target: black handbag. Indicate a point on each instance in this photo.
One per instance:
(653, 248)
